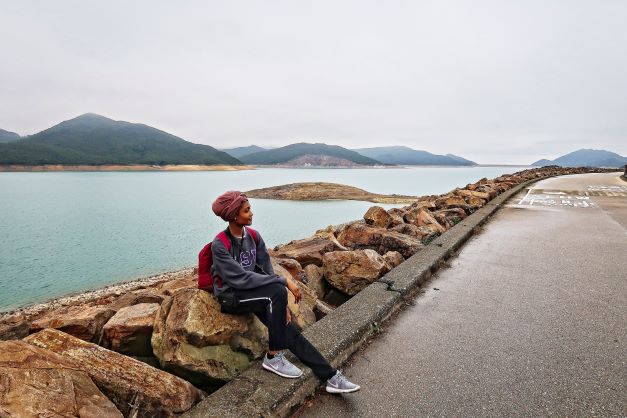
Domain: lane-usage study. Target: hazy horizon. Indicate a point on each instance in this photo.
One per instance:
(496, 82)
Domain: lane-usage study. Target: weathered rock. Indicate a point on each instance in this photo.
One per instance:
(306, 251)
(39, 383)
(130, 329)
(302, 313)
(472, 193)
(193, 339)
(359, 235)
(14, 327)
(450, 202)
(315, 280)
(377, 216)
(419, 232)
(134, 387)
(84, 322)
(396, 215)
(292, 266)
(422, 217)
(450, 217)
(170, 287)
(475, 201)
(351, 271)
(395, 241)
(393, 259)
(136, 297)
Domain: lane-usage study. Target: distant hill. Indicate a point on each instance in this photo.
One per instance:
(242, 151)
(306, 152)
(586, 158)
(7, 136)
(407, 156)
(92, 139)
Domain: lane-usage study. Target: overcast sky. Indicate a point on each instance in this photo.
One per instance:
(493, 81)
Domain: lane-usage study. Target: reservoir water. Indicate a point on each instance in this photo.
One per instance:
(65, 232)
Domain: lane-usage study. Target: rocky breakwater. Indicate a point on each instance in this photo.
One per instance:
(157, 348)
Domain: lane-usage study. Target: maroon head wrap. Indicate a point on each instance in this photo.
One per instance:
(227, 205)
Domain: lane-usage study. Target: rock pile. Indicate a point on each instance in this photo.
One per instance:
(144, 352)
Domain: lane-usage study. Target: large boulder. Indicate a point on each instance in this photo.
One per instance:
(422, 233)
(130, 329)
(359, 236)
(136, 297)
(472, 193)
(84, 322)
(393, 259)
(133, 386)
(396, 214)
(195, 340)
(351, 271)
(292, 266)
(450, 217)
(315, 280)
(39, 383)
(419, 216)
(303, 312)
(306, 251)
(395, 241)
(377, 216)
(14, 327)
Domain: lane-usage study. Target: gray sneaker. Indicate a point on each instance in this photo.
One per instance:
(340, 384)
(281, 366)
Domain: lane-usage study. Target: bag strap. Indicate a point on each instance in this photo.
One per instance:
(225, 240)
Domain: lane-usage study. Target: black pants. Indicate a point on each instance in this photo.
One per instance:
(269, 303)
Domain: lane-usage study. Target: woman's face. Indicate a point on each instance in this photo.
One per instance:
(245, 215)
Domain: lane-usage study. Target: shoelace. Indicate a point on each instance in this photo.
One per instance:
(281, 357)
(340, 376)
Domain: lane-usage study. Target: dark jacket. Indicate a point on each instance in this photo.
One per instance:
(237, 267)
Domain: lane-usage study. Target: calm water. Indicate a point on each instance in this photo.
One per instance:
(68, 232)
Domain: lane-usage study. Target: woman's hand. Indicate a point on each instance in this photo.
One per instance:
(293, 287)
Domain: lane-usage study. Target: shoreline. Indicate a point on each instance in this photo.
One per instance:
(121, 167)
(86, 296)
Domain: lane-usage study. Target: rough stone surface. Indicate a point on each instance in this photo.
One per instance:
(396, 216)
(359, 235)
(421, 217)
(14, 327)
(315, 280)
(135, 297)
(306, 251)
(134, 387)
(39, 383)
(83, 322)
(192, 338)
(419, 232)
(393, 259)
(395, 241)
(352, 271)
(302, 313)
(377, 216)
(130, 329)
(292, 266)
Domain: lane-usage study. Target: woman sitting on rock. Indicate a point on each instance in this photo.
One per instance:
(245, 282)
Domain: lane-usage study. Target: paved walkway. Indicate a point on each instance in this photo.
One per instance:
(529, 320)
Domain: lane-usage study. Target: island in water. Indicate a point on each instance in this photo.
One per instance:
(325, 191)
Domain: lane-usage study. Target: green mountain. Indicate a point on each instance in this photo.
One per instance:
(92, 139)
(407, 156)
(242, 151)
(7, 136)
(295, 151)
(586, 158)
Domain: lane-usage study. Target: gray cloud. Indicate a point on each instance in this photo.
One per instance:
(493, 81)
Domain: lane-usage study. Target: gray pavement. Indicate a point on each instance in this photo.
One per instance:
(529, 320)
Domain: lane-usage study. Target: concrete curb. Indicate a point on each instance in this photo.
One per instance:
(261, 394)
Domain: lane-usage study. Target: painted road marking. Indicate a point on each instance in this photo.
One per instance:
(539, 197)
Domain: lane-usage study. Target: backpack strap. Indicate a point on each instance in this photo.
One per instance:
(225, 240)
(253, 234)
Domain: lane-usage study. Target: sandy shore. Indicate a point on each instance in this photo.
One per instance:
(138, 167)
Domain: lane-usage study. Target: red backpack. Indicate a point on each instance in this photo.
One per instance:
(205, 261)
